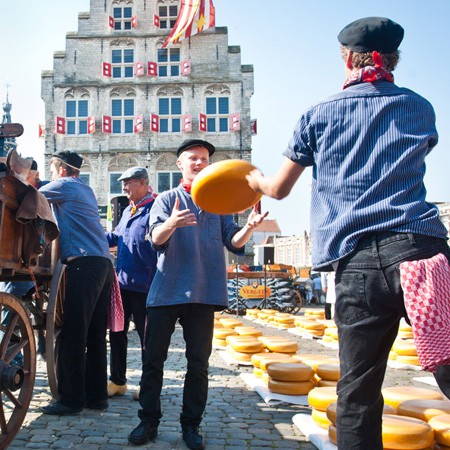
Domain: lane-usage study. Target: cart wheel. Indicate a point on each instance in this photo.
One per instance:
(55, 314)
(16, 383)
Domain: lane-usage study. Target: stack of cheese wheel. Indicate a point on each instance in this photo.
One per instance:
(405, 352)
(248, 331)
(311, 326)
(220, 335)
(252, 313)
(290, 378)
(284, 320)
(319, 399)
(423, 409)
(330, 333)
(315, 359)
(313, 313)
(397, 394)
(328, 374)
(279, 344)
(441, 427)
(230, 322)
(400, 433)
(266, 314)
(331, 411)
(261, 362)
(241, 348)
(404, 330)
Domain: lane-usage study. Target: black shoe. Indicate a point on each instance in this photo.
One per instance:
(59, 409)
(143, 433)
(98, 404)
(192, 438)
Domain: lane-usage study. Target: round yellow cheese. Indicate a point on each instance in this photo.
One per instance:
(320, 397)
(441, 427)
(248, 331)
(314, 360)
(223, 333)
(257, 372)
(239, 356)
(251, 345)
(402, 347)
(290, 371)
(266, 362)
(397, 394)
(331, 411)
(219, 342)
(290, 387)
(229, 322)
(328, 371)
(320, 418)
(423, 409)
(257, 357)
(326, 383)
(411, 360)
(281, 346)
(400, 432)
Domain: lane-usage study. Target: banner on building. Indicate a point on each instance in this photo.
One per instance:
(41, 131)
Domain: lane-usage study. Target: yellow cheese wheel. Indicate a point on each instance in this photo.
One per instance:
(217, 324)
(411, 360)
(237, 338)
(392, 355)
(405, 335)
(320, 418)
(397, 394)
(441, 427)
(313, 325)
(281, 346)
(239, 356)
(223, 333)
(265, 378)
(326, 338)
(257, 372)
(329, 323)
(423, 409)
(314, 332)
(230, 322)
(256, 358)
(326, 383)
(284, 326)
(246, 346)
(332, 332)
(248, 331)
(332, 435)
(404, 326)
(400, 432)
(219, 342)
(314, 312)
(314, 360)
(290, 371)
(331, 411)
(269, 311)
(320, 397)
(402, 347)
(266, 362)
(328, 371)
(290, 387)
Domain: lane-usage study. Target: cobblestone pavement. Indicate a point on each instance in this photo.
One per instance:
(236, 418)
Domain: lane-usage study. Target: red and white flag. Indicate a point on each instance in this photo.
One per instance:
(194, 17)
(41, 131)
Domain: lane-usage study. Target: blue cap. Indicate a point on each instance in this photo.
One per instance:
(134, 172)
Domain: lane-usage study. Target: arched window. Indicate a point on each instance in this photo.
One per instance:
(170, 109)
(122, 13)
(77, 111)
(122, 110)
(217, 107)
(168, 13)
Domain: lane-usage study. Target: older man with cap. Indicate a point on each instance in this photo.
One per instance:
(84, 249)
(189, 285)
(367, 146)
(135, 267)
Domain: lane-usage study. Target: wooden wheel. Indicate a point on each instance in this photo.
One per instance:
(54, 321)
(16, 383)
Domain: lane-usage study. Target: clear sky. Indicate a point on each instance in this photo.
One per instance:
(293, 47)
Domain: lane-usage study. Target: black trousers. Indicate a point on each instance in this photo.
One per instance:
(82, 351)
(133, 306)
(197, 321)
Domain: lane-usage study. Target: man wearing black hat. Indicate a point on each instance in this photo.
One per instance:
(367, 146)
(189, 285)
(84, 249)
(135, 267)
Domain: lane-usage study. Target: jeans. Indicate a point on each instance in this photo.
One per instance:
(197, 321)
(82, 352)
(133, 305)
(369, 306)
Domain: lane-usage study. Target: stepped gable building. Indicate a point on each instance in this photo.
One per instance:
(120, 99)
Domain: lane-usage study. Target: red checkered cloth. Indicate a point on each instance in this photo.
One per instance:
(115, 308)
(426, 290)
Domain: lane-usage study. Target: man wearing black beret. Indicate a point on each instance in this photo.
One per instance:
(367, 146)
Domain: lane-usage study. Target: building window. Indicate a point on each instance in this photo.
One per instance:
(170, 115)
(217, 113)
(169, 62)
(85, 178)
(168, 16)
(168, 180)
(122, 18)
(115, 186)
(122, 115)
(76, 116)
(122, 63)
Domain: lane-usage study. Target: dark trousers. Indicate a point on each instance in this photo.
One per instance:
(133, 306)
(369, 306)
(197, 321)
(82, 351)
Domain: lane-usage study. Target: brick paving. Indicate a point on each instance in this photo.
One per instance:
(236, 417)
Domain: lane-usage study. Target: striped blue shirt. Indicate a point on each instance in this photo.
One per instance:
(367, 148)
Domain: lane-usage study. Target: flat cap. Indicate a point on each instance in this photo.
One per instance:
(188, 143)
(71, 158)
(372, 34)
(134, 172)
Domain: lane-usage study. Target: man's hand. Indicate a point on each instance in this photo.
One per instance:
(254, 218)
(181, 218)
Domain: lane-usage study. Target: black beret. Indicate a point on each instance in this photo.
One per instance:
(372, 33)
(33, 165)
(188, 143)
(71, 158)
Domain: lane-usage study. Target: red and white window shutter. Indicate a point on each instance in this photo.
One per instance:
(139, 124)
(202, 122)
(186, 67)
(139, 69)
(187, 123)
(152, 69)
(156, 20)
(133, 22)
(106, 124)
(235, 122)
(154, 122)
(106, 69)
(111, 22)
(60, 125)
(91, 124)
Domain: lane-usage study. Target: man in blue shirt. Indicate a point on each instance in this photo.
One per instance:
(367, 147)
(189, 285)
(135, 267)
(84, 249)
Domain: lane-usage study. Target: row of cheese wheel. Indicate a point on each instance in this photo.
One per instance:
(404, 351)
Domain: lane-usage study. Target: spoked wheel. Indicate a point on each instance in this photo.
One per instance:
(295, 304)
(55, 314)
(17, 366)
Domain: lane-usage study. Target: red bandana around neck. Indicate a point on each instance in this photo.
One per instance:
(369, 74)
(147, 199)
(187, 186)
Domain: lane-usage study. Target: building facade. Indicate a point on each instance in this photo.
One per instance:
(120, 100)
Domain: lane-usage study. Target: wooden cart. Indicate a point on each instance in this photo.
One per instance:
(41, 310)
